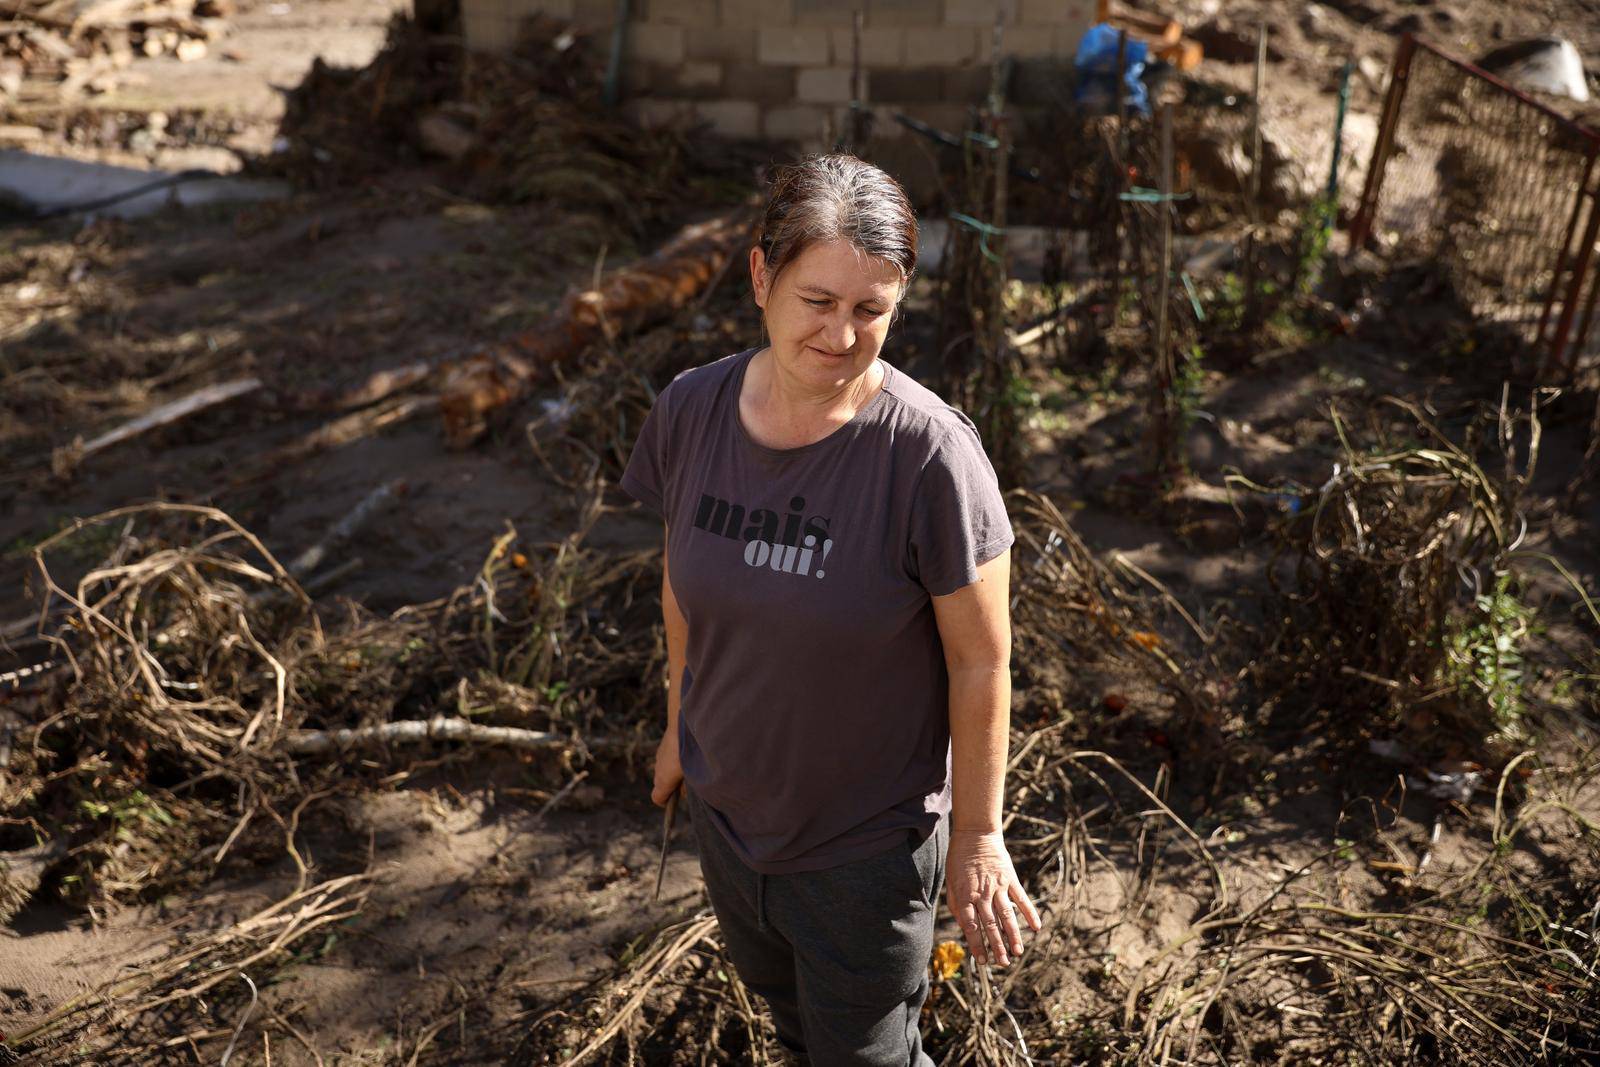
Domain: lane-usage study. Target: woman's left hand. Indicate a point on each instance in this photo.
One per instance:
(985, 896)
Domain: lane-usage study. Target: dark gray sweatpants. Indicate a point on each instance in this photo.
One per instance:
(839, 955)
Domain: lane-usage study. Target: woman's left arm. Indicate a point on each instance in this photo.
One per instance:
(980, 882)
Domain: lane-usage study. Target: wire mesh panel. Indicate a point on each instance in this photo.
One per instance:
(1496, 188)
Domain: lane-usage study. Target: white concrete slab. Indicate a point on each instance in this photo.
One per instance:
(46, 182)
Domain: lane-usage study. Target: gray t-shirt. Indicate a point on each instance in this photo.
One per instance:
(814, 719)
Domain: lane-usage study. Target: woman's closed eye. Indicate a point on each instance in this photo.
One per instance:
(865, 312)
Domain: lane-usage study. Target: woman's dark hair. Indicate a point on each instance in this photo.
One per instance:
(837, 197)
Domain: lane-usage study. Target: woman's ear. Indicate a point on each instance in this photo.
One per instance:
(758, 276)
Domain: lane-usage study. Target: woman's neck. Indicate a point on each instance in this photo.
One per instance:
(788, 415)
(789, 397)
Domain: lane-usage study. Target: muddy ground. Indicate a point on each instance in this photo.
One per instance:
(487, 909)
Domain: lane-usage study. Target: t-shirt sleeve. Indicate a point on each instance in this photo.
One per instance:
(645, 476)
(958, 516)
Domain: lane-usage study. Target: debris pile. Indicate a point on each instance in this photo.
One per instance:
(64, 48)
(1404, 599)
(189, 674)
(602, 398)
(526, 127)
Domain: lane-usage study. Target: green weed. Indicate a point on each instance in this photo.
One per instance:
(1483, 650)
(125, 811)
(1188, 385)
(1311, 245)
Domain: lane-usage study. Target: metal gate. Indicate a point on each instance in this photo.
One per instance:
(1500, 189)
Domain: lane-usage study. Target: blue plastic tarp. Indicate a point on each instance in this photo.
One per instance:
(1096, 64)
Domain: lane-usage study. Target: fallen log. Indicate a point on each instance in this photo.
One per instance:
(416, 731)
(474, 385)
(67, 458)
(626, 301)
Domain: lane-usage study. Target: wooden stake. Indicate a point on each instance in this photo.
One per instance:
(1120, 163)
(1006, 442)
(1122, 95)
(1164, 281)
(1253, 197)
(1165, 363)
(1002, 169)
(619, 37)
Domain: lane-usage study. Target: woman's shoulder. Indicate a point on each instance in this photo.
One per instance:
(704, 379)
(691, 396)
(926, 415)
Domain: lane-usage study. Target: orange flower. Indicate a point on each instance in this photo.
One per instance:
(947, 957)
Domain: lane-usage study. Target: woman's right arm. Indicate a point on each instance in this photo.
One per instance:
(669, 771)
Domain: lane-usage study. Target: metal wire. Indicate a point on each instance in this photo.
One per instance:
(1496, 189)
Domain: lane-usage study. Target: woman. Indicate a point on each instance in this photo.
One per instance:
(838, 641)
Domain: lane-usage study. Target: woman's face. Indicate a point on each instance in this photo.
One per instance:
(827, 313)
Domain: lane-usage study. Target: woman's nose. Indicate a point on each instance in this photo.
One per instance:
(839, 335)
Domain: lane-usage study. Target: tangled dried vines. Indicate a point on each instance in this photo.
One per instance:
(1277, 975)
(1404, 595)
(195, 676)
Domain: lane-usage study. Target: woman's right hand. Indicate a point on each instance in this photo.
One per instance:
(669, 772)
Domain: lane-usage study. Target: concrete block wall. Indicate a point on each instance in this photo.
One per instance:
(781, 68)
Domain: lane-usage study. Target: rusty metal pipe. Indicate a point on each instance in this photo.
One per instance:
(1566, 247)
